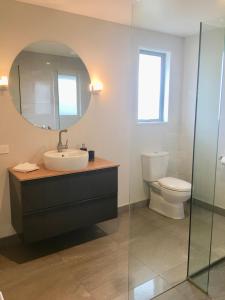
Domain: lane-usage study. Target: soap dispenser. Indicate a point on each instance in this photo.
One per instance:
(83, 147)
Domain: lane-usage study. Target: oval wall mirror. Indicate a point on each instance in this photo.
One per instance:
(49, 85)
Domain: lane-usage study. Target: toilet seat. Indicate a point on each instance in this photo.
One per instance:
(175, 184)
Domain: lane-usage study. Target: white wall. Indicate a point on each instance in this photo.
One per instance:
(187, 116)
(212, 47)
(161, 136)
(207, 126)
(110, 55)
(220, 174)
(104, 48)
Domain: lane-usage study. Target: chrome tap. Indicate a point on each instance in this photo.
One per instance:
(60, 146)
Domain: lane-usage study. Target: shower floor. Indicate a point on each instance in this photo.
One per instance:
(158, 252)
(216, 277)
(201, 251)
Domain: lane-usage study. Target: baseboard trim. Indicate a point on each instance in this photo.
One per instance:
(207, 268)
(123, 209)
(139, 204)
(216, 209)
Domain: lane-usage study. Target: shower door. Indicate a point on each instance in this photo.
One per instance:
(158, 247)
(207, 227)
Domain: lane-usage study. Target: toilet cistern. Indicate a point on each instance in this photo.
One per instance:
(60, 146)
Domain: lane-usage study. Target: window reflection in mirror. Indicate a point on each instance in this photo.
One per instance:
(49, 84)
(68, 102)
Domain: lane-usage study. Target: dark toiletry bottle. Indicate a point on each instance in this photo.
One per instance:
(91, 155)
(84, 148)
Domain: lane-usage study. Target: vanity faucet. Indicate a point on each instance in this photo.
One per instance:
(60, 146)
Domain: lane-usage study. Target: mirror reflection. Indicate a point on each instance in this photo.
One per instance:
(49, 85)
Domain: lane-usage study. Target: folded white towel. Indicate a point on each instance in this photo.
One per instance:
(26, 167)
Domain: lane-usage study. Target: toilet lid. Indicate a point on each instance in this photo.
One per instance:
(175, 184)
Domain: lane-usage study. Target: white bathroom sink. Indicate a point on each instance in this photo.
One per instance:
(68, 160)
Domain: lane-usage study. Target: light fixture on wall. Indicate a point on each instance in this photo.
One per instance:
(96, 87)
(3, 83)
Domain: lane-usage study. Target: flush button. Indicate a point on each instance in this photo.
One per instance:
(4, 149)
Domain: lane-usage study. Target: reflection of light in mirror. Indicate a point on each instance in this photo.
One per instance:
(67, 87)
(96, 86)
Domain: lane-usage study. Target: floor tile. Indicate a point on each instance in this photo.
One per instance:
(111, 289)
(175, 275)
(150, 289)
(98, 269)
(138, 272)
(184, 291)
(217, 280)
(191, 292)
(160, 244)
(171, 295)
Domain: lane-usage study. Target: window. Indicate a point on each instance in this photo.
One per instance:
(152, 102)
(68, 102)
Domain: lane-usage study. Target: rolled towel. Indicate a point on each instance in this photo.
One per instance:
(25, 167)
(223, 160)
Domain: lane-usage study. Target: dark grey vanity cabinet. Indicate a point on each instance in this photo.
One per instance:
(46, 207)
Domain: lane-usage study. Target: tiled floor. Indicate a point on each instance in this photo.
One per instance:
(201, 234)
(98, 269)
(184, 291)
(217, 281)
(158, 251)
(202, 250)
(218, 237)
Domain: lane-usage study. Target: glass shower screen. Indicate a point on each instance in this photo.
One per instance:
(207, 206)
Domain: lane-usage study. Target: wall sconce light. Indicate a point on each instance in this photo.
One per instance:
(3, 83)
(96, 87)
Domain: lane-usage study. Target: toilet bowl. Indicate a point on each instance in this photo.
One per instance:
(169, 200)
(167, 194)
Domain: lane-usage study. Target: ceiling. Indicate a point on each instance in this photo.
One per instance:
(118, 11)
(180, 17)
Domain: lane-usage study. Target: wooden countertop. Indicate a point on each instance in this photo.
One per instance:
(97, 164)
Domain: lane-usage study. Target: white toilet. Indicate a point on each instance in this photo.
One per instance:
(167, 194)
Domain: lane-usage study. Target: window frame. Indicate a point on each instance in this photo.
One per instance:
(163, 56)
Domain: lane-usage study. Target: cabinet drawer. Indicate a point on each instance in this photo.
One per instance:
(58, 221)
(73, 188)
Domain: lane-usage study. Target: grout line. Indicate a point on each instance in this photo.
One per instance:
(173, 287)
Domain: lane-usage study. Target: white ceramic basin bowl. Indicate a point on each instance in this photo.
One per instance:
(68, 160)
